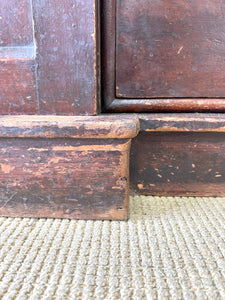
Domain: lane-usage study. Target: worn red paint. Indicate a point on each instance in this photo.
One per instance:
(64, 178)
(57, 72)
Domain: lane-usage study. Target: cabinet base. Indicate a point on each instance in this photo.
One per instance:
(78, 167)
(179, 154)
(65, 167)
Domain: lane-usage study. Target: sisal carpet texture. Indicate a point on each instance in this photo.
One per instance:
(171, 248)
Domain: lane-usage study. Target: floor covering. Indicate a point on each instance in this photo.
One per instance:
(171, 248)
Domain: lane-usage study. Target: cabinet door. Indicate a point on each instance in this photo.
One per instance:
(48, 57)
(164, 55)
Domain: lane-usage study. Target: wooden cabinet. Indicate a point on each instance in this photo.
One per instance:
(164, 55)
(147, 56)
(156, 56)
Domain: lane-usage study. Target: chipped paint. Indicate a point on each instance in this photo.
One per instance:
(180, 49)
(66, 126)
(92, 148)
(45, 183)
(38, 149)
(5, 168)
(140, 186)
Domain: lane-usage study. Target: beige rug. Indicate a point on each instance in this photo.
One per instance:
(171, 248)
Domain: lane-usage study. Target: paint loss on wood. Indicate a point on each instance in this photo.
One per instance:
(103, 126)
(64, 178)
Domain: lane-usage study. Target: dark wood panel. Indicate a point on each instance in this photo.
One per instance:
(67, 55)
(15, 23)
(17, 59)
(178, 163)
(17, 84)
(169, 49)
(64, 178)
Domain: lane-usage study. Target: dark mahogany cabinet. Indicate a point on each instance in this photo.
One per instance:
(164, 55)
(99, 99)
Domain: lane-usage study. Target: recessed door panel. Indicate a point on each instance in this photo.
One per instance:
(170, 49)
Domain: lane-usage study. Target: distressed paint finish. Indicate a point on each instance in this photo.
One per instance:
(178, 163)
(17, 86)
(50, 52)
(17, 59)
(67, 56)
(170, 49)
(64, 178)
(15, 23)
(92, 127)
(181, 122)
(66, 166)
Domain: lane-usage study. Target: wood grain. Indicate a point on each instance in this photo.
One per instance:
(165, 105)
(17, 59)
(91, 127)
(63, 74)
(181, 122)
(170, 49)
(178, 163)
(15, 23)
(116, 15)
(108, 50)
(64, 178)
(17, 85)
(66, 166)
(67, 56)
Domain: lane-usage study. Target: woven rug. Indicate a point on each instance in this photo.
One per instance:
(171, 248)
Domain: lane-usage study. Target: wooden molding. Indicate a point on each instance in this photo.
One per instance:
(195, 122)
(98, 127)
(176, 105)
(65, 167)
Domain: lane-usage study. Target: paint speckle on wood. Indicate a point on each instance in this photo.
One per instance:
(201, 169)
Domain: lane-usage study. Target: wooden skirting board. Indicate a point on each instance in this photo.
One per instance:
(78, 167)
